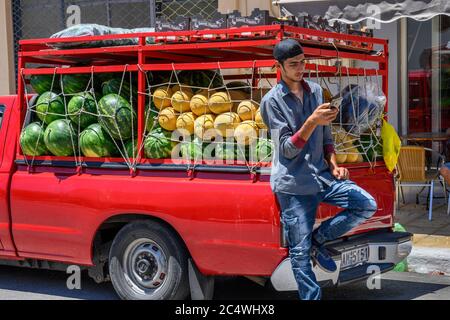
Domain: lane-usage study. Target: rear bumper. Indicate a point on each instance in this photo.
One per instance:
(386, 249)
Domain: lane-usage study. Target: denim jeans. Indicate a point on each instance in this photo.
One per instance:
(298, 214)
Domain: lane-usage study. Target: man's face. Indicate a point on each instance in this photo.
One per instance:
(293, 68)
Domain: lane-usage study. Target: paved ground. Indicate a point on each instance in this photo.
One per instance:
(28, 284)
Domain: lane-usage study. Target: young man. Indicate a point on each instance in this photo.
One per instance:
(304, 169)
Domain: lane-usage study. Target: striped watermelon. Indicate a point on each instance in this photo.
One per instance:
(264, 150)
(225, 151)
(81, 108)
(75, 83)
(200, 78)
(61, 138)
(50, 107)
(32, 140)
(117, 117)
(113, 86)
(131, 148)
(192, 150)
(95, 142)
(45, 82)
(157, 145)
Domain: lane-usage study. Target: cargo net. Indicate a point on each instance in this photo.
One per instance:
(191, 117)
(356, 130)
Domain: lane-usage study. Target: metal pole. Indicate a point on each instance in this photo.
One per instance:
(152, 12)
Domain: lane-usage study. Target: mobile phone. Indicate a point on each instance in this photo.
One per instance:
(336, 103)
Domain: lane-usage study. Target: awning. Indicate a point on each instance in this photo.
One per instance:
(352, 11)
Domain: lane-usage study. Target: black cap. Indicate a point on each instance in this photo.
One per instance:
(286, 49)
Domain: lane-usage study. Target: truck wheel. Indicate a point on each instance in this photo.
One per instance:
(147, 262)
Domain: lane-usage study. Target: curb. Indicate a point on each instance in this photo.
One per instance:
(429, 260)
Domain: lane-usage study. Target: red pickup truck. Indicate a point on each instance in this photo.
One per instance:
(163, 234)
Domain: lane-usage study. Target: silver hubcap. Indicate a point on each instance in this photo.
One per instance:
(146, 264)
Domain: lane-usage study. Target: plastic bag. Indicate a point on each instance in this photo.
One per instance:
(83, 30)
(391, 145)
(360, 108)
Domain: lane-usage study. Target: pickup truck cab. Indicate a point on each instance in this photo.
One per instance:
(165, 233)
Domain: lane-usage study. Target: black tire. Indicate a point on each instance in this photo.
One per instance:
(148, 262)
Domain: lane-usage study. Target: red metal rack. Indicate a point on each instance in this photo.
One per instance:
(246, 47)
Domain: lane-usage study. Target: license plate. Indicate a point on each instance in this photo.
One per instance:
(354, 257)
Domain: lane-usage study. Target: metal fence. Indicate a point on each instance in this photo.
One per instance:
(42, 18)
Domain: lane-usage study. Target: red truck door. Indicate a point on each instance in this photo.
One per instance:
(7, 151)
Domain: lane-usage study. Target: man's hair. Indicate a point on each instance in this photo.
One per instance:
(286, 49)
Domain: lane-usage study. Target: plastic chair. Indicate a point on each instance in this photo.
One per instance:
(411, 172)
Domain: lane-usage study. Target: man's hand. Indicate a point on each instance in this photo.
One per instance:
(340, 173)
(323, 115)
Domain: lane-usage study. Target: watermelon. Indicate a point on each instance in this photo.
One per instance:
(50, 107)
(43, 83)
(264, 150)
(225, 151)
(200, 78)
(80, 109)
(151, 118)
(113, 86)
(116, 116)
(60, 138)
(158, 145)
(131, 149)
(95, 142)
(191, 150)
(74, 83)
(32, 140)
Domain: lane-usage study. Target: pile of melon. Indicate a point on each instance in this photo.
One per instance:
(346, 146)
(229, 112)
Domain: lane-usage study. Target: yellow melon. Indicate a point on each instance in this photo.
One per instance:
(181, 87)
(186, 121)
(168, 119)
(161, 97)
(247, 110)
(199, 104)
(352, 155)
(181, 100)
(360, 158)
(341, 157)
(259, 120)
(220, 102)
(226, 123)
(258, 94)
(348, 141)
(246, 132)
(204, 127)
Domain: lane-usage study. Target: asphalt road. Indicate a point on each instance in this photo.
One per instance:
(30, 284)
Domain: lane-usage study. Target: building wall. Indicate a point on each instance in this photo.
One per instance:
(7, 78)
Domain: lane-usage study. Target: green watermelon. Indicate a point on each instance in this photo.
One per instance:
(371, 151)
(95, 142)
(60, 138)
(32, 140)
(113, 86)
(151, 120)
(157, 145)
(50, 107)
(200, 78)
(43, 83)
(81, 108)
(131, 149)
(191, 150)
(116, 116)
(75, 83)
(225, 151)
(264, 150)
